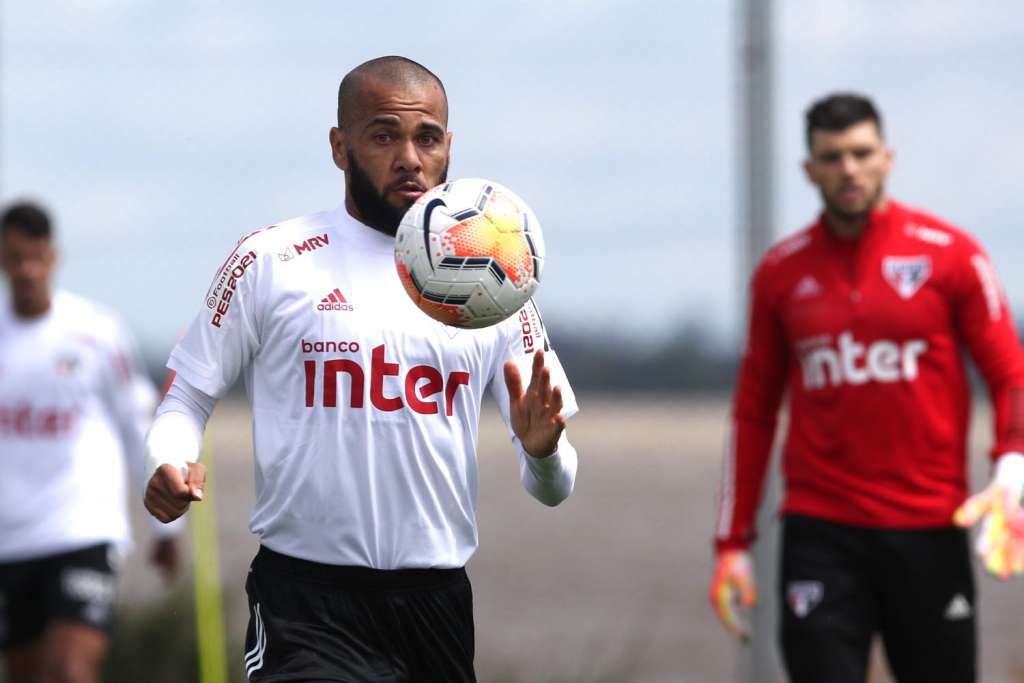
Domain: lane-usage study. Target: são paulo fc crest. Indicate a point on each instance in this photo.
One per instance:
(803, 596)
(906, 274)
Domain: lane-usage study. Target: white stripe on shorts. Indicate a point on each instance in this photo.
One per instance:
(254, 657)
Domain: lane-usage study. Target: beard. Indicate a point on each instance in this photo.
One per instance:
(372, 204)
(848, 216)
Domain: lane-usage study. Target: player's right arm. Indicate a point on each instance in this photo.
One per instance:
(536, 416)
(221, 341)
(759, 390)
(172, 451)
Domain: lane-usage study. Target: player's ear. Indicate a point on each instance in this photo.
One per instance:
(337, 138)
(51, 257)
(448, 147)
(808, 166)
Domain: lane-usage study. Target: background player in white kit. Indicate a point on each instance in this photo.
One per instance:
(73, 413)
(365, 413)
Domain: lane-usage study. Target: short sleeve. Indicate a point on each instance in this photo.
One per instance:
(223, 338)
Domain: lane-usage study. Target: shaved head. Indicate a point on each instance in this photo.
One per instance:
(390, 71)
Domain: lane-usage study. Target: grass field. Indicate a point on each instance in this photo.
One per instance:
(610, 586)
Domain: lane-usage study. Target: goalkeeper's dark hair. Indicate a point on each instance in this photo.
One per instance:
(839, 111)
(391, 69)
(27, 218)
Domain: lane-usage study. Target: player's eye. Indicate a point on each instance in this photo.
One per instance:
(428, 139)
(382, 138)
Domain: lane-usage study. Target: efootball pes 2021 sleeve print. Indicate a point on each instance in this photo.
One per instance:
(550, 480)
(224, 337)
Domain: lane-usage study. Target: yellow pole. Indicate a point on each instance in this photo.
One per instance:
(209, 608)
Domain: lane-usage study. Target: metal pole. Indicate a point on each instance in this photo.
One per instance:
(756, 137)
(759, 661)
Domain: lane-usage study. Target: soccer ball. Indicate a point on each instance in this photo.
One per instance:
(469, 253)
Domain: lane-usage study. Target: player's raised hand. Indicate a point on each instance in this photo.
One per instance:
(170, 490)
(1000, 542)
(732, 586)
(535, 412)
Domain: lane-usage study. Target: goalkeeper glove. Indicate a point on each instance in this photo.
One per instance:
(733, 586)
(1000, 543)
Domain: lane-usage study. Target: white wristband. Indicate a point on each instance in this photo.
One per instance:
(173, 439)
(1010, 472)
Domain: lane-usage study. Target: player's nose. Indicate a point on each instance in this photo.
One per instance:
(848, 164)
(407, 157)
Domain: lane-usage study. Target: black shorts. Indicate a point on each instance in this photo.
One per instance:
(317, 622)
(840, 585)
(78, 586)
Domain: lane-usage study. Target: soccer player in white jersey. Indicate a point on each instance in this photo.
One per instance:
(365, 413)
(73, 413)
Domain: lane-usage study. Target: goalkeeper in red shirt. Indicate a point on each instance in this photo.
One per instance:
(862, 320)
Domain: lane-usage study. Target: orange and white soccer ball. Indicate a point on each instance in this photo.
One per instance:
(469, 252)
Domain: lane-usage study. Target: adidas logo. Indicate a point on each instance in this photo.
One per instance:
(335, 301)
(806, 288)
(958, 608)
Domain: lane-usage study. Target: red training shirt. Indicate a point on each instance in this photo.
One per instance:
(867, 335)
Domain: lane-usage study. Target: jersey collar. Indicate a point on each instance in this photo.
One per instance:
(359, 233)
(879, 220)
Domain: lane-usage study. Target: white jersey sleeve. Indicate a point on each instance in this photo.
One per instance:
(132, 400)
(224, 337)
(550, 480)
(176, 437)
(129, 395)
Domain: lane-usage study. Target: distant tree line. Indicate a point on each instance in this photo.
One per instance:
(687, 360)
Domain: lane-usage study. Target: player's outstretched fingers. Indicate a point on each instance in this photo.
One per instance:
(557, 404)
(196, 480)
(536, 371)
(513, 381)
(545, 386)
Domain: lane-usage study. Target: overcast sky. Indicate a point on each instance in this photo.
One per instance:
(160, 132)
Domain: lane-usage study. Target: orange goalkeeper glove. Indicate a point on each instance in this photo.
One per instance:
(1000, 543)
(733, 586)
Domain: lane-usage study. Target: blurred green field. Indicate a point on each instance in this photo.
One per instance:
(608, 587)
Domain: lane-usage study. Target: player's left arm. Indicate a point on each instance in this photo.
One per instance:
(132, 399)
(987, 327)
(535, 400)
